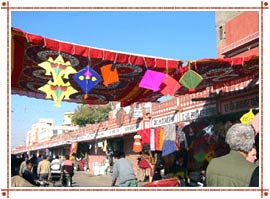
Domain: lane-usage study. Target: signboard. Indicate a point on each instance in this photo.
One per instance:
(164, 120)
(240, 104)
(137, 113)
(196, 113)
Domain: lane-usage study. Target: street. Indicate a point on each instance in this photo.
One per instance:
(84, 179)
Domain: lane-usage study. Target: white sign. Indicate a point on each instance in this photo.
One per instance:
(137, 113)
(201, 112)
(164, 120)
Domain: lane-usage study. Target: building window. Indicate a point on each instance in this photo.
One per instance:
(221, 33)
(54, 132)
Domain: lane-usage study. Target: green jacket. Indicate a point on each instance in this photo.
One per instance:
(231, 170)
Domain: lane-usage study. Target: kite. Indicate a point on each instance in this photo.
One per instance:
(87, 79)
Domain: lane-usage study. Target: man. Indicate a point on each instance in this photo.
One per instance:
(233, 170)
(28, 174)
(68, 171)
(55, 164)
(23, 165)
(123, 170)
(43, 169)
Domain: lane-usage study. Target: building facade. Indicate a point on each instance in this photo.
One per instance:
(237, 33)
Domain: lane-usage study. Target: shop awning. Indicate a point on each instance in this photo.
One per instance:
(31, 55)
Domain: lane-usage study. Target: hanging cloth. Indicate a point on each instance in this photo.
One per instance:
(168, 147)
(145, 134)
(170, 132)
(159, 136)
(152, 139)
(104, 148)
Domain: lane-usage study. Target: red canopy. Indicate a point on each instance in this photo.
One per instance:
(29, 50)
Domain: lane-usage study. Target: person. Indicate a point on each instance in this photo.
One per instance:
(107, 165)
(23, 165)
(144, 166)
(252, 155)
(180, 171)
(67, 170)
(28, 174)
(157, 173)
(123, 170)
(44, 169)
(34, 162)
(55, 164)
(233, 170)
(254, 182)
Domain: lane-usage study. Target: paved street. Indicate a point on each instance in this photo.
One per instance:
(84, 179)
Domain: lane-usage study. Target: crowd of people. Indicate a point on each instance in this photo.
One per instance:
(37, 171)
(237, 168)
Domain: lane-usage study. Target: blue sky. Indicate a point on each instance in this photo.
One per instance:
(169, 34)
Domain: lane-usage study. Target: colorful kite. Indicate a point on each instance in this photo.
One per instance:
(191, 80)
(109, 76)
(58, 68)
(152, 80)
(87, 79)
(171, 86)
(247, 117)
(58, 91)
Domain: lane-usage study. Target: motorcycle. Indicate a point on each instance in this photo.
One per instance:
(55, 176)
(67, 179)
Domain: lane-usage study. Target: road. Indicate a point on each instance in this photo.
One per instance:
(84, 179)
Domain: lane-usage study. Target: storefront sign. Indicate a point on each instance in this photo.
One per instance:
(164, 120)
(109, 133)
(131, 128)
(137, 113)
(240, 104)
(202, 112)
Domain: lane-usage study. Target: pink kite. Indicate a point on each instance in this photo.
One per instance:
(152, 80)
(171, 86)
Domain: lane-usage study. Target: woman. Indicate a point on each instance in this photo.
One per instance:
(252, 155)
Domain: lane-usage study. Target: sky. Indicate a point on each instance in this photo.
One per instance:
(168, 34)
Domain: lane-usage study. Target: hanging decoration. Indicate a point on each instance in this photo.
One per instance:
(210, 155)
(58, 92)
(247, 117)
(57, 89)
(73, 148)
(170, 86)
(87, 79)
(109, 75)
(28, 49)
(58, 68)
(200, 156)
(152, 80)
(255, 123)
(191, 80)
(137, 145)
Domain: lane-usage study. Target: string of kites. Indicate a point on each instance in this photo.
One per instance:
(88, 78)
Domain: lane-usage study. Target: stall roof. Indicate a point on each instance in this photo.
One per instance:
(28, 51)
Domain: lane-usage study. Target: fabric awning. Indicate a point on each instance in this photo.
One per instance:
(28, 51)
